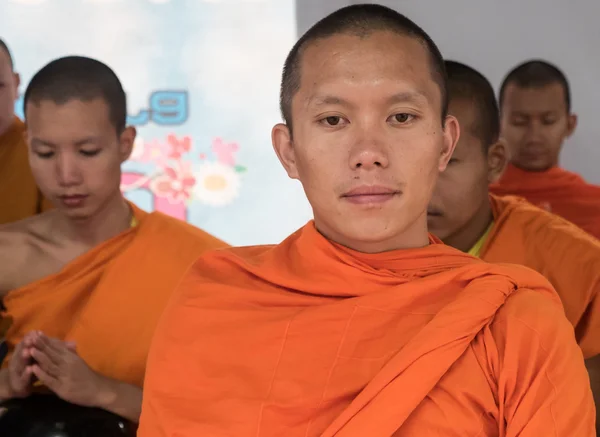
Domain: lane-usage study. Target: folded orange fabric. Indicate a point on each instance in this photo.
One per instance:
(109, 300)
(19, 195)
(308, 338)
(566, 255)
(556, 190)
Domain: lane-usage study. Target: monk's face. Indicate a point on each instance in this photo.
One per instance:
(535, 123)
(9, 84)
(368, 139)
(461, 192)
(76, 154)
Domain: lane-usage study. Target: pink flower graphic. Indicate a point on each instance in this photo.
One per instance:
(175, 184)
(178, 146)
(156, 152)
(225, 151)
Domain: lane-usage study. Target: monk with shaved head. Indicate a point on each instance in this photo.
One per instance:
(83, 285)
(506, 229)
(536, 120)
(19, 194)
(361, 323)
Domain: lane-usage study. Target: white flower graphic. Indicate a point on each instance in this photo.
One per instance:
(216, 184)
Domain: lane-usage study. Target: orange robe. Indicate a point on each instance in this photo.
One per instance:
(109, 300)
(19, 195)
(308, 338)
(567, 256)
(556, 190)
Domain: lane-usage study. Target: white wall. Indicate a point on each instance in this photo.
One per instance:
(495, 35)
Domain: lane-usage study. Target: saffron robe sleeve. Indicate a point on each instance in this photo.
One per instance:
(109, 300)
(566, 255)
(308, 338)
(19, 195)
(556, 190)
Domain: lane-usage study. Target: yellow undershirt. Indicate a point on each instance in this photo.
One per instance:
(476, 249)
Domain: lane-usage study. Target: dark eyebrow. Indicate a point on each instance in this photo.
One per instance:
(322, 100)
(402, 97)
(408, 97)
(38, 142)
(86, 140)
(78, 143)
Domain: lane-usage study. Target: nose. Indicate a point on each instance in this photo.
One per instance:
(534, 131)
(369, 151)
(67, 170)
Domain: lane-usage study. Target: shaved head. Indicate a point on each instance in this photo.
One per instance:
(537, 74)
(9, 86)
(4, 48)
(468, 84)
(362, 21)
(79, 78)
(535, 114)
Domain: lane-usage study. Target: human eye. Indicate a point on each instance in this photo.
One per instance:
(401, 118)
(89, 153)
(45, 155)
(332, 121)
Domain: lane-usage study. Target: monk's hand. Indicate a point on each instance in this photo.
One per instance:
(62, 370)
(20, 370)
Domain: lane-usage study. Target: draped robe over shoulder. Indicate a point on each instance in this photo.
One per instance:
(109, 300)
(565, 254)
(309, 338)
(558, 191)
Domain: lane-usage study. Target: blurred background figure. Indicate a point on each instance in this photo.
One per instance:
(19, 195)
(536, 120)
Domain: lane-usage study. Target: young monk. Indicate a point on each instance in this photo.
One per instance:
(509, 229)
(360, 324)
(19, 195)
(83, 285)
(536, 119)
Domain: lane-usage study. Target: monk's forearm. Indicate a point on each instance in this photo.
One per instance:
(122, 399)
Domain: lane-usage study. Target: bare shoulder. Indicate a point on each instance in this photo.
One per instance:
(17, 248)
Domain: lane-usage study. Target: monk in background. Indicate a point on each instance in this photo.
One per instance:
(19, 195)
(509, 229)
(536, 119)
(360, 323)
(83, 285)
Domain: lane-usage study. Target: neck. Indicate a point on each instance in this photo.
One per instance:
(414, 236)
(112, 219)
(466, 237)
(534, 170)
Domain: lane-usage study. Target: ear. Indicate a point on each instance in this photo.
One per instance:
(126, 140)
(283, 145)
(451, 135)
(497, 160)
(571, 124)
(17, 79)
